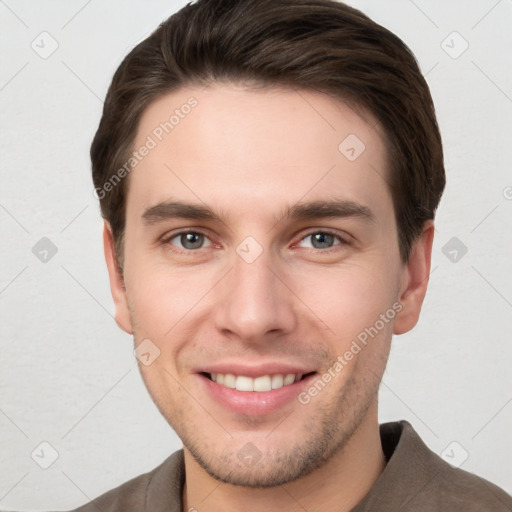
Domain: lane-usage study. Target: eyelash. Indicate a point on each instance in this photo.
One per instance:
(167, 239)
(342, 241)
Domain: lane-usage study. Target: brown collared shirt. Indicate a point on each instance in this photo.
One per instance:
(415, 480)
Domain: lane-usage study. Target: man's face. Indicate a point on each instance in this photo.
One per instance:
(267, 288)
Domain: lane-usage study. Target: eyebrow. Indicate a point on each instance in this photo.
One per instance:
(299, 211)
(332, 208)
(177, 210)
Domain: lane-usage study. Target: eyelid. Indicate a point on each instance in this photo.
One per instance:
(166, 239)
(342, 237)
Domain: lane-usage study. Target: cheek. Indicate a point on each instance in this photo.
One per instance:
(349, 300)
(161, 298)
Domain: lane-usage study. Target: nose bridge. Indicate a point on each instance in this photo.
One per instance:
(254, 302)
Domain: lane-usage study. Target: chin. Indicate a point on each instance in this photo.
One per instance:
(270, 470)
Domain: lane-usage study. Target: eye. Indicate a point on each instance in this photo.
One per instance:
(189, 240)
(321, 240)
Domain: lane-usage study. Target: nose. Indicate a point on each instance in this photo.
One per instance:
(254, 303)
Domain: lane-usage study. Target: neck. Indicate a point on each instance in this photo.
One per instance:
(339, 485)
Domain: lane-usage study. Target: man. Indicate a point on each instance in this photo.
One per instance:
(269, 172)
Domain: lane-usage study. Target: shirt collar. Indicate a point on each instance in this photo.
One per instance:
(396, 485)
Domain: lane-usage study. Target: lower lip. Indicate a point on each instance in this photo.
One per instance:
(254, 403)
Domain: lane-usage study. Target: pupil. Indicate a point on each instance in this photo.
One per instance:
(322, 240)
(191, 240)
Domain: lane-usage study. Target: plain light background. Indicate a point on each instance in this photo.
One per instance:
(68, 374)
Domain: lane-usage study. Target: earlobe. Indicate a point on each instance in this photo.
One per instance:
(117, 287)
(415, 280)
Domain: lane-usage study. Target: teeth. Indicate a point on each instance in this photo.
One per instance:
(229, 380)
(260, 384)
(277, 381)
(289, 379)
(244, 383)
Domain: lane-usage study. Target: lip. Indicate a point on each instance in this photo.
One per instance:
(253, 403)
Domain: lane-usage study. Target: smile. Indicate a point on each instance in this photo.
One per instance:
(258, 384)
(254, 391)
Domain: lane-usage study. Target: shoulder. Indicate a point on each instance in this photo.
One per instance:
(461, 490)
(163, 482)
(128, 496)
(418, 479)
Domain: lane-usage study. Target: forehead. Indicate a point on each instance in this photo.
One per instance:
(236, 148)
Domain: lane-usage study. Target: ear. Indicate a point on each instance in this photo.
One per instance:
(414, 281)
(122, 314)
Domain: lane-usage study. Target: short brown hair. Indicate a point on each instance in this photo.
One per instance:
(321, 45)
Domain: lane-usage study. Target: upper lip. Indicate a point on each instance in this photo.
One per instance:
(271, 368)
